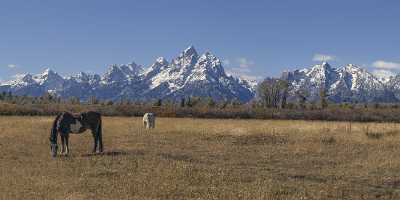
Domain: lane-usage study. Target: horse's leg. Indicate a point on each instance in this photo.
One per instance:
(66, 144)
(62, 144)
(95, 138)
(100, 139)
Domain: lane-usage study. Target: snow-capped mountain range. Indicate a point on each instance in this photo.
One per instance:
(189, 74)
(350, 83)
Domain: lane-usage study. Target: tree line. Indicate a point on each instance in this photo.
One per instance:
(271, 102)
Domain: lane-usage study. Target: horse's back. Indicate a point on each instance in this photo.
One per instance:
(78, 122)
(64, 121)
(91, 115)
(148, 116)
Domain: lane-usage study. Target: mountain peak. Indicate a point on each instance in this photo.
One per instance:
(26, 77)
(121, 73)
(81, 75)
(47, 74)
(48, 71)
(323, 65)
(319, 72)
(208, 53)
(131, 68)
(161, 60)
(133, 64)
(353, 68)
(186, 59)
(112, 68)
(190, 51)
(209, 57)
(135, 68)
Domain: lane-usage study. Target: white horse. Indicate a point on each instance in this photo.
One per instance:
(149, 120)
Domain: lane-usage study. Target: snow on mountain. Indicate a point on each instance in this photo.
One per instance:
(393, 84)
(82, 85)
(192, 75)
(121, 73)
(250, 84)
(346, 84)
(208, 78)
(49, 80)
(20, 80)
(186, 75)
(33, 85)
(175, 74)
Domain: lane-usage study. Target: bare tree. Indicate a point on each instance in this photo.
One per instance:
(273, 92)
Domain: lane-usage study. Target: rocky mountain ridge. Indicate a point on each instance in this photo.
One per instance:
(189, 74)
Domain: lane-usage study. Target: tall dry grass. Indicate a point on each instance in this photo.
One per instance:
(203, 159)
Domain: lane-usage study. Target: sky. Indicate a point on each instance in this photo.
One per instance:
(253, 38)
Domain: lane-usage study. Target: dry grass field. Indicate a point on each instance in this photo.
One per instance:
(203, 159)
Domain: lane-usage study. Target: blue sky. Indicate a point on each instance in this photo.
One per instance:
(254, 38)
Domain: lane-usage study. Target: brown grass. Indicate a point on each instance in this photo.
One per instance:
(203, 159)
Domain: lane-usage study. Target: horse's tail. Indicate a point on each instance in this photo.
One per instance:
(53, 132)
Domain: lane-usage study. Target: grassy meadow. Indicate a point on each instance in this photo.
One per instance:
(203, 159)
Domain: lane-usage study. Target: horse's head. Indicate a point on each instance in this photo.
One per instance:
(53, 149)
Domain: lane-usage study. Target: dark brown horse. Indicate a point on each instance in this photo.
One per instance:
(66, 123)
